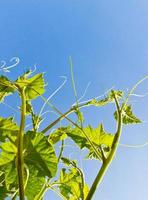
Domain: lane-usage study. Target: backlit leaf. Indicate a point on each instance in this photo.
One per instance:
(98, 136)
(35, 183)
(34, 86)
(8, 128)
(71, 184)
(40, 153)
(58, 134)
(127, 116)
(6, 87)
(8, 153)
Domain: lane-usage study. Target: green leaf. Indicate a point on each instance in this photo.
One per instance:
(8, 153)
(70, 184)
(119, 94)
(98, 136)
(35, 183)
(6, 87)
(40, 153)
(8, 129)
(34, 86)
(127, 116)
(58, 134)
(8, 165)
(11, 179)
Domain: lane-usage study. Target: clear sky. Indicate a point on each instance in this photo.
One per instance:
(108, 41)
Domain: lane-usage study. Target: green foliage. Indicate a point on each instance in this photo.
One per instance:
(8, 129)
(34, 86)
(98, 137)
(127, 116)
(33, 152)
(6, 87)
(70, 184)
(40, 153)
(35, 183)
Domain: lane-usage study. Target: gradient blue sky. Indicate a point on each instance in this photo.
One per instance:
(108, 41)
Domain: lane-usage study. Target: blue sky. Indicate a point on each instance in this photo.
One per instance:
(108, 42)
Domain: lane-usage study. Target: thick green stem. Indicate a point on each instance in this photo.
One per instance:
(108, 161)
(20, 164)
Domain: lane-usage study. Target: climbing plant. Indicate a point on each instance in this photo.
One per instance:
(29, 162)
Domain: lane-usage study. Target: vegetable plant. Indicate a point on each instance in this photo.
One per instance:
(29, 162)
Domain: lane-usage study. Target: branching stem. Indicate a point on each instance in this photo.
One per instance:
(71, 110)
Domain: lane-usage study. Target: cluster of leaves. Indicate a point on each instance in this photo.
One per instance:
(40, 162)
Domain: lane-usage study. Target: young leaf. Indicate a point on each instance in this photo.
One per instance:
(70, 184)
(58, 134)
(34, 86)
(127, 116)
(40, 153)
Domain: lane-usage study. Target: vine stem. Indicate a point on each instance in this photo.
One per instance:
(76, 125)
(20, 161)
(108, 161)
(71, 110)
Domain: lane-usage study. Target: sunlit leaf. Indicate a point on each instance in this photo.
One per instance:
(58, 134)
(127, 116)
(97, 135)
(71, 184)
(40, 153)
(8, 153)
(34, 86)
(6, 87)
(11, 178)
(8, 128)
(35, 183)
(8, 165)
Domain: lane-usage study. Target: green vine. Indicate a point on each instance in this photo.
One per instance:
(29, 162)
